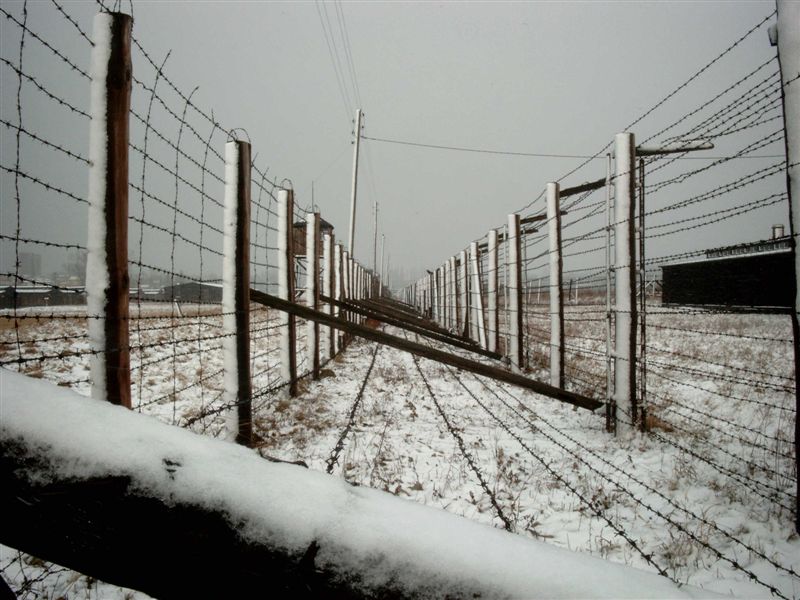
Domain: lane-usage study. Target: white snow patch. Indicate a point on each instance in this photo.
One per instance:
(96, 270)
(359, 529)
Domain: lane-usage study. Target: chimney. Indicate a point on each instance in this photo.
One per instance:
(777, 232)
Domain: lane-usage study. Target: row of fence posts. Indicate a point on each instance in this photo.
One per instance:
(453, 295)
(107, 282)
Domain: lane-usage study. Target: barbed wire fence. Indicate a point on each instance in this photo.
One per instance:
(701, 384)
(712, 347)
(176, 236)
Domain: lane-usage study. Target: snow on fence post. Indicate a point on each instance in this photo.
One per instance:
(236, 289)
(431, 295)
(453, 293)
(327, 289)
(789, 64)
(491, 293)
(464, 292)
(312, 289)
(346, 272)
(338, 293)
(556, 287)
(439, 299)
(107, 283)
(477, 309)
(624, 282)
(514, 290)
(443, 285)
(288, 369)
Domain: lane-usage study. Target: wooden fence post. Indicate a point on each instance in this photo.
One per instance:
(478, 313)
(515, 347)
(465, 306)
(556, 287)
(312, 289)
(327, 289)
(107, 282)
(236, 289)
(493, 327)
(286, 288)
(451, 267)
(439, 295)
(338, 293)
(789, 64)
(347, 271)
(625, 282)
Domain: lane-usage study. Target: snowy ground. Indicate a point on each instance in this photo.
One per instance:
(706, 497)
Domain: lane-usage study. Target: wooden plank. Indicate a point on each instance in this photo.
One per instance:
(426, 352)
(584, 187)
(377, 316)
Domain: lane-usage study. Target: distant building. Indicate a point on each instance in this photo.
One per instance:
(756, 274)
(299, 235)
(40, 295)
(194, 291)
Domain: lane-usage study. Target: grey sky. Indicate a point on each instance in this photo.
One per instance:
(546, 77)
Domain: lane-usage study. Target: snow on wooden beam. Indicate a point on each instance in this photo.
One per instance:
(145, 505)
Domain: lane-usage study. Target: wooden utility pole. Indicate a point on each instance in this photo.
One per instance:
(107, 281)
(353, 194)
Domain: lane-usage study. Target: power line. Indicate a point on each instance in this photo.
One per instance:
(334, 60)
(537, 154)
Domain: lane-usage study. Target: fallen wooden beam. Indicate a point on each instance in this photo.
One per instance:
(400, 313)
(453, 360)
(371, 314)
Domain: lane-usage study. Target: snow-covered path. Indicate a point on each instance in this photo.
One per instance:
(704, 503)
(516, 460)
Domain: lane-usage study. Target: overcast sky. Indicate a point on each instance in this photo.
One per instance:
(536, 77)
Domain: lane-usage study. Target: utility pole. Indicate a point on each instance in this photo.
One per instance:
(359, 116)
(375, 240)
(383, 247)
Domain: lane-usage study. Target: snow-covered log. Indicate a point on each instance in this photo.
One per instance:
(141, 504)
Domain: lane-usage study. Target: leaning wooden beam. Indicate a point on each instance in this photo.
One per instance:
(256, 528)
(584, 187)
(426, 352)
(455, 342)
(416, 319)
